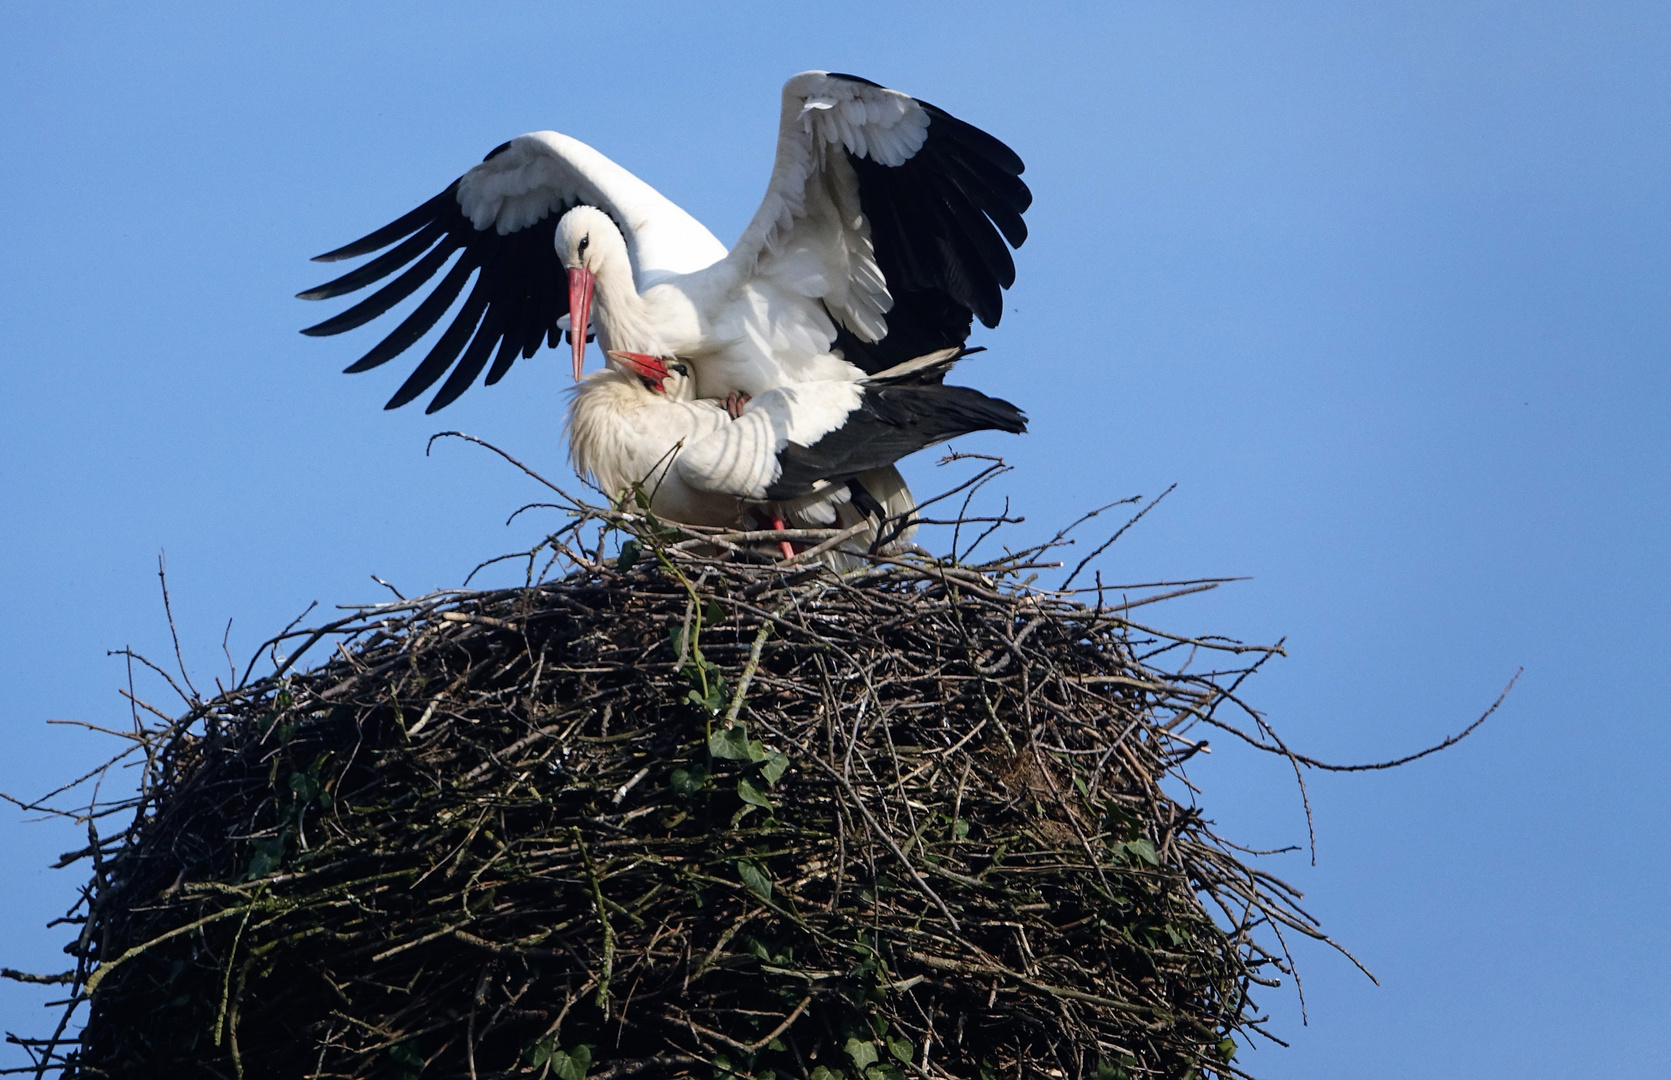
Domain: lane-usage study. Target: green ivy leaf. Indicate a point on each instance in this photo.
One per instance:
(747, 792)
(776, 765)
(863, 1053)
(821, 1073)
(759, 884)
(541, 1051)
(730, 743)
(960, 829)
(1227, 1049)
(900, 1047)
(572, 1065)
(304, 787)
(733, 744)
(715, 701)
(1144, 850)
(688, 781)
(1107, 1070)
(266, 855)
(713, 614)
(409, 1064)
(630, 551)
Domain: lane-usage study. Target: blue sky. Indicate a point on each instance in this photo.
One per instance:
(1385, 289)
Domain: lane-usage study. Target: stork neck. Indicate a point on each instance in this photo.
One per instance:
(623, 318)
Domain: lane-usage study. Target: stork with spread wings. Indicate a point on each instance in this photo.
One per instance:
(885, 230)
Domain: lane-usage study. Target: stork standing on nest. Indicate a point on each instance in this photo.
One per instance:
(812, 455)
(884, 231)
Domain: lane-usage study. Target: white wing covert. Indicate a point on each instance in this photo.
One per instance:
(892, 212)
(743, 457)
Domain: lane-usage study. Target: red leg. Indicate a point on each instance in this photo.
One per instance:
(777, 523)
(734, 402)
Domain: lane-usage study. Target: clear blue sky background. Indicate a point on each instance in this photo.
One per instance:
(1383, 288)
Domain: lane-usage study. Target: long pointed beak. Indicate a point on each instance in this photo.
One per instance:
(581, 281)
(651, 368)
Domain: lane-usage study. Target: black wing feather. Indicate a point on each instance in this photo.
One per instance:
(922, 321)
(417, 324)
(404, 225)
(447, 348)
(470, 365)
(520, 292)
(942, 223)
(971, 139)
(891, 422)
(378, 268)
(389, 295)
(997, 194)
(509, 349)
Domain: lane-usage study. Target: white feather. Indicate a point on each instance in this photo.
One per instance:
(812, 201)
(544, 171)
(701, 467)
(742, 457)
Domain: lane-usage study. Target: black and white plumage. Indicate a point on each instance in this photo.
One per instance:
(808, 451)
(885, 229)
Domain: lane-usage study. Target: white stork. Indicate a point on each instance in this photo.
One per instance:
(883, 231)
(810, 454)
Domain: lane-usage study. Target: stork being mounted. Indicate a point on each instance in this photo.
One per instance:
(810, 455)
(882, 233)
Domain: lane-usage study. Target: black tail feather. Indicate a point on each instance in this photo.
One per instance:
(892, 422)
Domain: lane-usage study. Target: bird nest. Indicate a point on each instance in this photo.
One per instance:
(687, 812)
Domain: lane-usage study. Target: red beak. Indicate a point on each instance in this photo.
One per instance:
(650, 368)
(581, 282)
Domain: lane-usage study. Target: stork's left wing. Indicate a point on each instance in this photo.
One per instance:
(895, 214)
(500, 218)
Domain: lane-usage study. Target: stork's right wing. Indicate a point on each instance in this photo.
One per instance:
(500, 219)
(895, 214)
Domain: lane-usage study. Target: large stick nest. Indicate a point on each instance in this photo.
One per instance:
(697, 816)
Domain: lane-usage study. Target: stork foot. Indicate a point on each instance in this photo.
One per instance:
(734, 402)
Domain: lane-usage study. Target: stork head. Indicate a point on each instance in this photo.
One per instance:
(588, 242)
(669, 377)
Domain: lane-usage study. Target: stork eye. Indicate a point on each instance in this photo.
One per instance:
(678, 369)
(585, 242)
